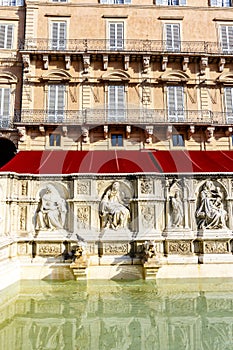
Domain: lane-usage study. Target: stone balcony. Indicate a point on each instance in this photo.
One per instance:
(122, 116)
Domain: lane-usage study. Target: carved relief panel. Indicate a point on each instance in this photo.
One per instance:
(211, 208)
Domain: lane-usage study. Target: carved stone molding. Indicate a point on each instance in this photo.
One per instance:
(146, 63)
(51, 249)
(83, 217)
(22, 133)
(146, 186)
(83, 187)
(46, 61)
(86, 63)
(179, 247)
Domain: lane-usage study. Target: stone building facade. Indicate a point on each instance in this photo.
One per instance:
(117, 75)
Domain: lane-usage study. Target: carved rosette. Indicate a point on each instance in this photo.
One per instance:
(146, 186)
(83, 187)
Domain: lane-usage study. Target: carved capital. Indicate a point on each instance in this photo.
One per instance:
(164, 63)
(126, 61)
(185, 63)
(169, 132)
(229, 131)
(67, 61)
(146, 63)
(191, 131)
(105, 62)
(221, 64)
(42, 129)
(149, 133)
(86, 63)
(22, 133)
(105, 131)
(203, 64)
(85, 135)
(46, 61)
(209, 132)
(128, 131)
(26, 62)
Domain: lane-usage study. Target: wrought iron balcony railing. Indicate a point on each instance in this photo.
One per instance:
(122, 116)
(136, 46)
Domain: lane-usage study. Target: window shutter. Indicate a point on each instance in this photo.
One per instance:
(227, 38)
(175, 103)
(182, 2)
(229, 104)
(116, 101)
(2, 36)
(116, 36)
(56, 103)
(4, 107)
(9, 38)
(6, 36)
(172, 37)
(127, 2)
(58, 35)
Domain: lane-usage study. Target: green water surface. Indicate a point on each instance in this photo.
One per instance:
(108, 315)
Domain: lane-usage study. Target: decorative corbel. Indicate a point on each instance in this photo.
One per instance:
(46, 61)
(105, 62)
(149, 133)
(128, 131)
(105, 131)
(86, 63)
(209, 132)
(67, 61)
(164, 63)
(22, 133)
(185, 63)
(42, 129)
(146, 63)
(191, 131)
(169, 132)
(64, 130)
(221, 64)
(85, 135)
(229, 131)
(26, 63)
(203, 64)
(126, 62)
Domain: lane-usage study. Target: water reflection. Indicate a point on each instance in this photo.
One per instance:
(107, 315)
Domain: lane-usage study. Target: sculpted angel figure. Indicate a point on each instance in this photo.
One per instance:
(51, 211)
(113, 212)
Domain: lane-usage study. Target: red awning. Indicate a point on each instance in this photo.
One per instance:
(118, 162)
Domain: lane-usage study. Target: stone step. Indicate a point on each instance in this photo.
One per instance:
(115, 272)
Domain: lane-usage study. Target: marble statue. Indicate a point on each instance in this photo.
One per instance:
(211, 213)
(177, 210)
(114, 214)
(51, 211)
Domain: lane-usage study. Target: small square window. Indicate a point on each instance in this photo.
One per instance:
(178, 140)
(54, 140)
(117, 140)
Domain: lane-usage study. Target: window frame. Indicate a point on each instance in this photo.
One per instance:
(175, 45)
(58, 44)
(211, 3)
(170, 2)
(178, 115)
(116, 107)
(5, 36)
(56, 136)
(118, 42)
(118, 136)
(229, 38)
(5, 118)
(56, 115)
(178, 136)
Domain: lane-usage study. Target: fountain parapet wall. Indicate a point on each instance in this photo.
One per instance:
(188, 218)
